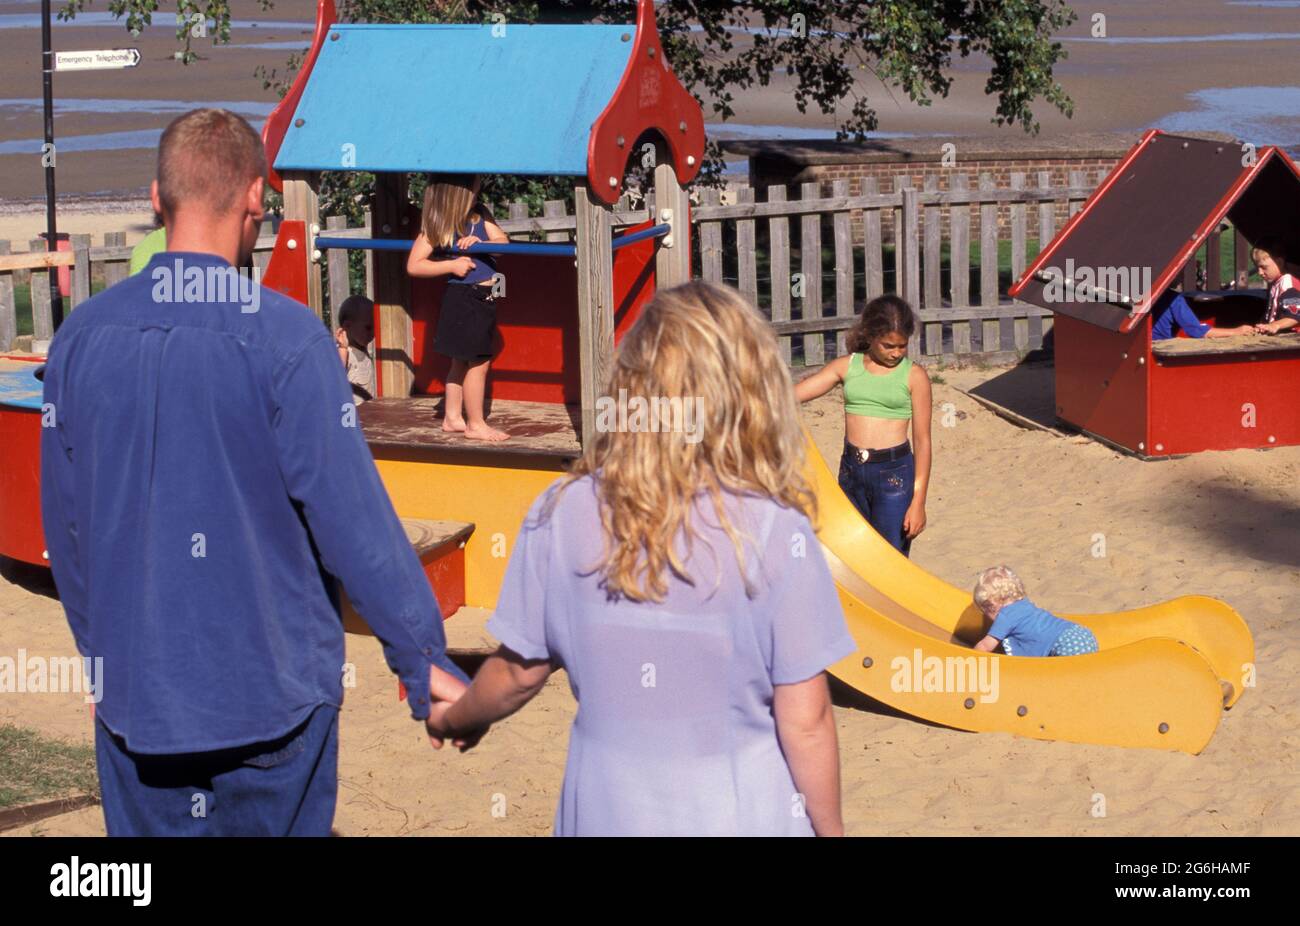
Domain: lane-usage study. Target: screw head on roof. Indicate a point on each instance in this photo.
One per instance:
(627, 36)
(613, 182)
(969, 703)
(292, 244)
(682, 125)
(867, 662)
(299, 123)
(1164, 728)
(1022, 711)
(690, 160)
(334, 36)
(620, 141)
(651, 51)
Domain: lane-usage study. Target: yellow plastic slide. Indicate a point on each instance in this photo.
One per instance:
(1163, 675)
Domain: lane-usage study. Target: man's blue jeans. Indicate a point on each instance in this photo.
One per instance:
(286, 787)
(882, 493)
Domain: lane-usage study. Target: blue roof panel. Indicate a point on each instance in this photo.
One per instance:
(456, 98)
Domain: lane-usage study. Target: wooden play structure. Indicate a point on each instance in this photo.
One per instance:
(559, 100)
(1137, 236)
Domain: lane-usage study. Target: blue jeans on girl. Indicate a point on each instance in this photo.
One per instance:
(881, 491)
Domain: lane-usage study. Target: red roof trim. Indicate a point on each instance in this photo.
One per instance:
(649, 96)
(277, 124)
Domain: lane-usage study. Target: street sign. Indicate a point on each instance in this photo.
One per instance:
(97, 60)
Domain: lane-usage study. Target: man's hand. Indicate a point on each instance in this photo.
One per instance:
(444, 691)
(436, 726)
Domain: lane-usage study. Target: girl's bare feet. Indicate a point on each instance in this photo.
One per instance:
(485, 432)
(453, 424)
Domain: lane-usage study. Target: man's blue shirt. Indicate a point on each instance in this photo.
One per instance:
(203, 477)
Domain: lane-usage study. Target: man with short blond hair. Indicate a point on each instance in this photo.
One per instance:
(203, 480)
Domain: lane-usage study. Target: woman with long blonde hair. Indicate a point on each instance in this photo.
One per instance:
(454, 217)
(675, 575)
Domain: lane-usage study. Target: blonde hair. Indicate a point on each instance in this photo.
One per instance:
(208, 157)
(997, 585)
(449, 208)
(703, 343)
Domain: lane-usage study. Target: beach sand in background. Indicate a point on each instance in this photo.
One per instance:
(1123, 86)
(1223, 524)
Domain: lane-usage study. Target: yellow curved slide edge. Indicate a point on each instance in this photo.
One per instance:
(1158, 682)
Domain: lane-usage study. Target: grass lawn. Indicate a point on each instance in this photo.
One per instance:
(35, 768)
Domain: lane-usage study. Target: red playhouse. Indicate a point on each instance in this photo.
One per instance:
(1168, 202)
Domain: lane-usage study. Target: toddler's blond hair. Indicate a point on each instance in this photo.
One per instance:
(997, 586)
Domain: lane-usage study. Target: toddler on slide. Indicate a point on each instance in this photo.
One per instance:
(1022, 628)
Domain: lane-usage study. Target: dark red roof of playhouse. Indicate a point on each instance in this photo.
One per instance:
(1154, 210)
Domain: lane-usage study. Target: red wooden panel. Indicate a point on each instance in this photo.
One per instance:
(1100, 385)
(21, 534)
(446, 574)
(538, 323)
(1225, 403)
(277, 124)
(286, 272)
(649, 97)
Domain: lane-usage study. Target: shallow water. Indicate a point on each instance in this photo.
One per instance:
(739, 130)
(1183, 39)
(164, 19)
(1260, 115)
(100, 105)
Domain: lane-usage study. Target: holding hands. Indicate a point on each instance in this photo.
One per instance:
(445, 690)
(462, 714)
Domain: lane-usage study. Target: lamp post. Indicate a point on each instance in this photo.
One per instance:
(48, 157)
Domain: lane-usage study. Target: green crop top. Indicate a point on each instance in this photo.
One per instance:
(887, 396)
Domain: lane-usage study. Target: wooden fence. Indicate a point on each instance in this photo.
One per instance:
(796, 259)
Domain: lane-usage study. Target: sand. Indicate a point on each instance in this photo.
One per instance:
(1223, 524)
(1115, 87)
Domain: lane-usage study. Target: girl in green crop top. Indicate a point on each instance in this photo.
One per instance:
(885, 395)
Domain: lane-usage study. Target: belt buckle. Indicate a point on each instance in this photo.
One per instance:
(864, 455)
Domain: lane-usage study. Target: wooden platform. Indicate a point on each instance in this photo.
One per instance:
(426, 536)
(1225, 347)
(535, 428)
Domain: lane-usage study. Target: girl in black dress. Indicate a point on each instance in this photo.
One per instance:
(453, 217)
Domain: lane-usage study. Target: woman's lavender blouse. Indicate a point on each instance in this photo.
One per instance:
(674, 732)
